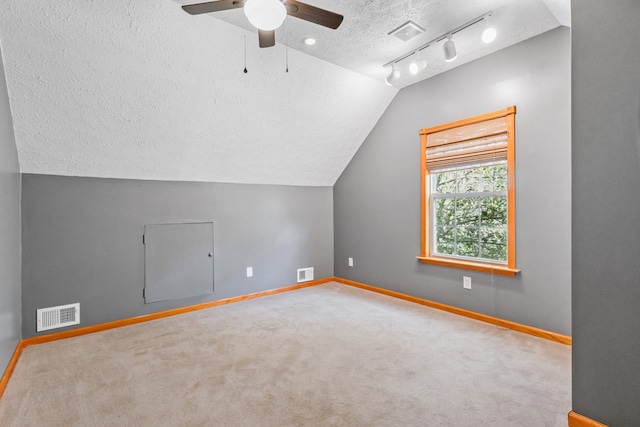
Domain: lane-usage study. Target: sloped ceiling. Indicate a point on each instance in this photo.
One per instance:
(363, 44)
(140, 89)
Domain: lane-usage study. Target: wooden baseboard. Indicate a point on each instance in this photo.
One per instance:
(162, 314)
(541, 333)
(140, 319)
(10, 367)
(577, 420)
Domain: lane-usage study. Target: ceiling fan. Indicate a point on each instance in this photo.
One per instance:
(268, 15)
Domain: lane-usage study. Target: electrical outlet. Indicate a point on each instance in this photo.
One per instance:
(249, 271)
(466, 282)
(350, 262)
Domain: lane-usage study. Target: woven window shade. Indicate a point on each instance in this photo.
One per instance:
(467, 145)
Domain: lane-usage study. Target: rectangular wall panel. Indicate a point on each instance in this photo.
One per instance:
(178, 261)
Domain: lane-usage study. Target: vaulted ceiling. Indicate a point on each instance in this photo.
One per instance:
(140, 89)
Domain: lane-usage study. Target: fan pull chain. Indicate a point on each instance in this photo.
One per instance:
(286, 50)
(245, 53)
(245, 45)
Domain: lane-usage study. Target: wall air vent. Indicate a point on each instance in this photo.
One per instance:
(305, 274)
(58, 317)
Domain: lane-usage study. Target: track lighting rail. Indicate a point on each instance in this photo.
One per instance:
(441, 37)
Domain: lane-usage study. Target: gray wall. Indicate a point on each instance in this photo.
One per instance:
(606, 207)
(82, 239)
(9, 231)
(377, 198)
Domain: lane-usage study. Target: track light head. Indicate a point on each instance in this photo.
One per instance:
(489, 33)
(417, 64)
(449, 48)
(393, 76)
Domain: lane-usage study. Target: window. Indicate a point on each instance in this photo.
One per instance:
(468, 193)
(469, 213)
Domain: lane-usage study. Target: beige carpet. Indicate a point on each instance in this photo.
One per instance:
(328, 355)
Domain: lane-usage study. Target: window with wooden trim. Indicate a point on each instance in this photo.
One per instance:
(468, 193)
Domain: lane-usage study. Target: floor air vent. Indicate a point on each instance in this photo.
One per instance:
(58, 317)
(305, 274)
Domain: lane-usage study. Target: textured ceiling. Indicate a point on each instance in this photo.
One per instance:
(140, 89)
(362, 43)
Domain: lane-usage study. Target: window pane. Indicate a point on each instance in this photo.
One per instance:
(445, 211)
(469, 180)
(467, 242)
(489, 174)
(500, 178)
(493, 243)
(467, 211)
(493, 211)
(446, 182)
(445, 240)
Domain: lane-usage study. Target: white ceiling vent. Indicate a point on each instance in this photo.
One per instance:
(407, 31)
(305, 274)
(58, 317)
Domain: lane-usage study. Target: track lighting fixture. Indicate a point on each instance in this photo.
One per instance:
(489, 34)
(417, 64)
(449, 48)
(393, 76)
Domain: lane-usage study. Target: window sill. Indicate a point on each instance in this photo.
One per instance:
(502, 270)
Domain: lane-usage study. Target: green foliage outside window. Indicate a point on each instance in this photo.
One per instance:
(470, 213)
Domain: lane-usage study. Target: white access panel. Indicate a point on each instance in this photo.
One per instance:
(178, 261)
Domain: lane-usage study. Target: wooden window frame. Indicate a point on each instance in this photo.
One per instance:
(508, 269)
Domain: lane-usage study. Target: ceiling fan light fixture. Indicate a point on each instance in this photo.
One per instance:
(265, 15)
(449, 48)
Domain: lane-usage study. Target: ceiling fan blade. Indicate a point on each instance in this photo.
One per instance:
(267, 38)
(212, 6)
(313, 14)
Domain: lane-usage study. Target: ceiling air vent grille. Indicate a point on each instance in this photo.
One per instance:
(305, 274)
(58, 317)
(407, 31)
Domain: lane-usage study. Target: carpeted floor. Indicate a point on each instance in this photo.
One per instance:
(328, 355)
